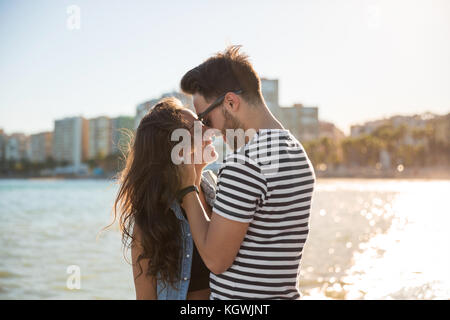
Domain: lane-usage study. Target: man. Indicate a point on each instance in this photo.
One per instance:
(260, 221)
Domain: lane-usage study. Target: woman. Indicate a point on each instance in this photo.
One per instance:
(166, 264)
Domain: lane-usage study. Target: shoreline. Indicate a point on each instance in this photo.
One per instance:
(318, 177)
(435, 173)
(430, 173)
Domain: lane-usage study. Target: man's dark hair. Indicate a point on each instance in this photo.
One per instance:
(224, 72)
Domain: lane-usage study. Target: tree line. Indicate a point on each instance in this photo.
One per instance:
(402, 145)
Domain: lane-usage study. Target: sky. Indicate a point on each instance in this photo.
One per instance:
(357, 60)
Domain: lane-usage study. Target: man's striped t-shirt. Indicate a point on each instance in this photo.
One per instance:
(268, 183)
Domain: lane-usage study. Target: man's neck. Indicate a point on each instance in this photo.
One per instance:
(260, 117)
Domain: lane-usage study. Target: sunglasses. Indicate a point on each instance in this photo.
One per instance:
(201, 116)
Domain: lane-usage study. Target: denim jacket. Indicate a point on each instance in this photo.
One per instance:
(167, 291)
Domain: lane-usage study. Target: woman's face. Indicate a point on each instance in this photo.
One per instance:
(203, 141)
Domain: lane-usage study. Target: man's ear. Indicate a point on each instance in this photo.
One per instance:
(232, 102)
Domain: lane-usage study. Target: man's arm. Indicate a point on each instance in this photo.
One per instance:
(218, 241)
(240, 188)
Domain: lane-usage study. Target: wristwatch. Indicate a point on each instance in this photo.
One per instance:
(185, 191)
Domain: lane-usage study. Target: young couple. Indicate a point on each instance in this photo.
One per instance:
(237, 236)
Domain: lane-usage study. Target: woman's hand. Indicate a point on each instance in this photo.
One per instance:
(188, 173)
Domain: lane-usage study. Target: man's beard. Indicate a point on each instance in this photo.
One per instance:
(231, 123)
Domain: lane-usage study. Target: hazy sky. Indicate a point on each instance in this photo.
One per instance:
(355, 59)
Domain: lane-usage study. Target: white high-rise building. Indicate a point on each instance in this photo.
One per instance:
(3, 140)
(41, 146)
(302, 121)
(16, 147)
(100, 137)
(122, 130)
(70, 140)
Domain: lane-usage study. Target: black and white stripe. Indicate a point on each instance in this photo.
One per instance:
(269, 184)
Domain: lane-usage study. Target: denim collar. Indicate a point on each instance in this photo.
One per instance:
(175, 206)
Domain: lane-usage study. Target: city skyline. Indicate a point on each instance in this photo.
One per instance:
(356, 60)
(78, 141)
(134, 115)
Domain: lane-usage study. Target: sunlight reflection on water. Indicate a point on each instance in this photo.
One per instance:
(369, 239)
(391, 242)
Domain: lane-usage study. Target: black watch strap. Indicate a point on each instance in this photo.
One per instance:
(185, 191)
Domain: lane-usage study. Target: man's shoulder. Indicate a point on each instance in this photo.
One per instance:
(240, 159)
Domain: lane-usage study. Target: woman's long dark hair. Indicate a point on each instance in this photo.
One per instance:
(148, 185)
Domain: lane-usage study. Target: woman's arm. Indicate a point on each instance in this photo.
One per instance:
(205, 204)
(218, 240)
(202, 195)
(145, 285)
